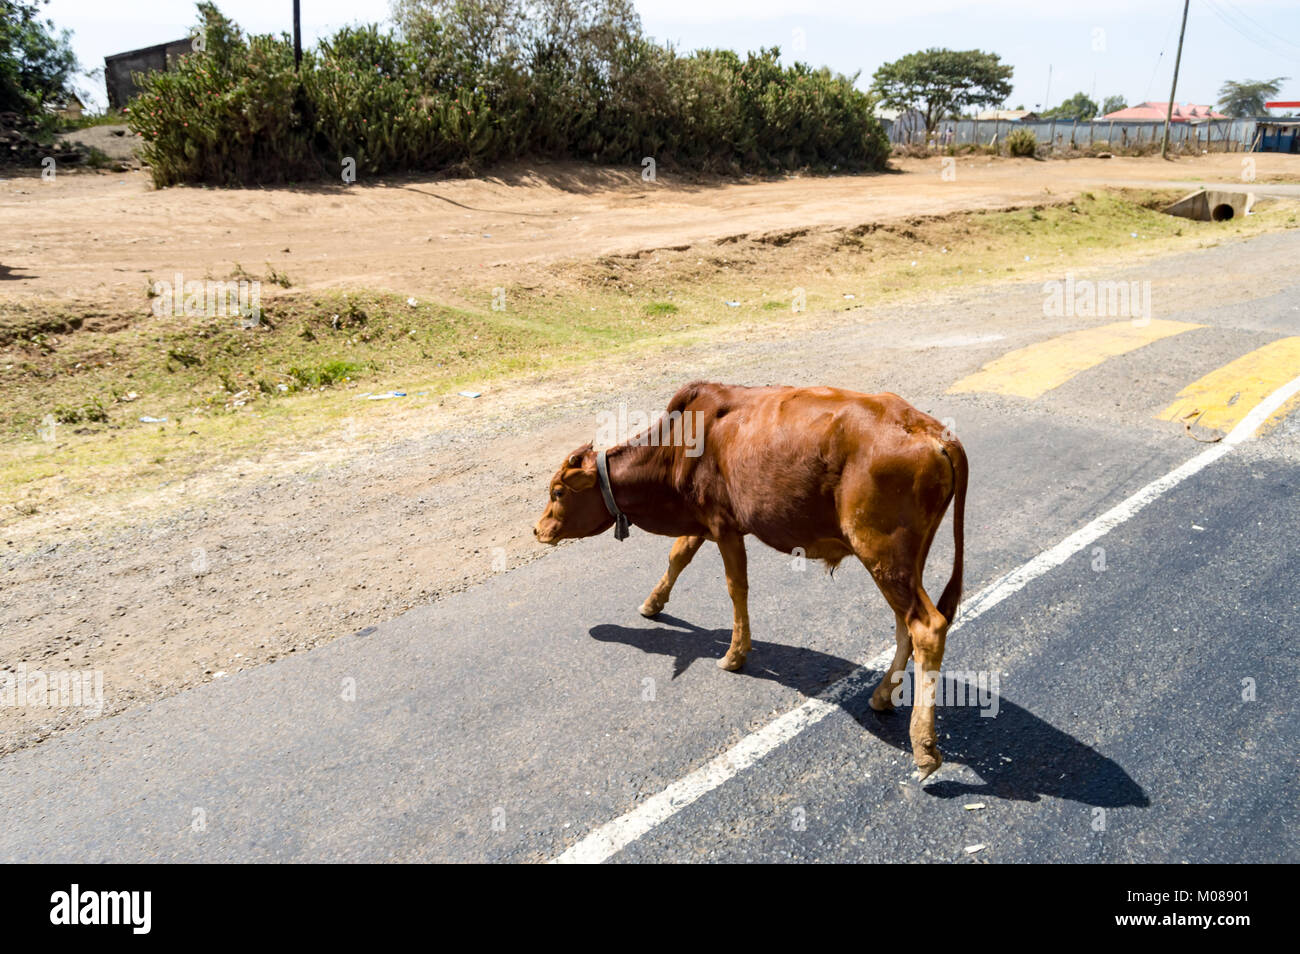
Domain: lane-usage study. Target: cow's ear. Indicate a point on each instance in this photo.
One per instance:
(579, 457)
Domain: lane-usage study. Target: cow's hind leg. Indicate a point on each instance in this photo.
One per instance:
(684, 549)
(929, 631)
(896, 567)
(882, 699)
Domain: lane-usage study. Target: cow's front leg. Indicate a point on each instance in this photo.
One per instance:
(684, 550)
(733, 560)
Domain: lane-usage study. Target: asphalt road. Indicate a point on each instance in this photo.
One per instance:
(507, 722)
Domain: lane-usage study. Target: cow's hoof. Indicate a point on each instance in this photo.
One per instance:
(927, 761)
(881, 703)
(731, 662)
(650, 609)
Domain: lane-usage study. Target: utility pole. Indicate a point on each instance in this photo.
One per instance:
(1173, 90)
(297, 36)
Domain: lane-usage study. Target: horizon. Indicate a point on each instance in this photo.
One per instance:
(1101, 49)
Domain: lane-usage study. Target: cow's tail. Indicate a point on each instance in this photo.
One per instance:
(956, 455)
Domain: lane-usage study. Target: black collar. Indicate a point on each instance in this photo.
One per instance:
(606, 491)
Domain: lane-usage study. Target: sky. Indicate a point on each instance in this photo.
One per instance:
(1099, 47)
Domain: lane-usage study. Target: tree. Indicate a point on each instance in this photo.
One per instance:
(36, 62)
(941, 82)
(1247, 98)
(1113, 104)
(489, 32)
(1078, 107)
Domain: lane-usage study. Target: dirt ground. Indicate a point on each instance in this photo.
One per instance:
(116, 142)
(102, 238)
(224, 579)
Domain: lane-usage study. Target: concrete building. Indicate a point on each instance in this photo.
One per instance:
(119, 67)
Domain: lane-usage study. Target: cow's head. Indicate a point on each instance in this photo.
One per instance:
(576, 507)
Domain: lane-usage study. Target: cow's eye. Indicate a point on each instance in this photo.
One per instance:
(557, 494)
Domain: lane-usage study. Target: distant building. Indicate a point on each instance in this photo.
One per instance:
(119, 67)
(1277, 135)
(903, 125)
(1183, 113)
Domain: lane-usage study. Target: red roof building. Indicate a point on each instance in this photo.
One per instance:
(1183, 113)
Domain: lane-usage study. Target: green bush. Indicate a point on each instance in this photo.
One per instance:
(229, 116)
(438, 96)
(1022, 142)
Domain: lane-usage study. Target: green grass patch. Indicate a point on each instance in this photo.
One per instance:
(321, 376)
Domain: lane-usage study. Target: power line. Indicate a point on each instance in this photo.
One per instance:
(1266, 30)
(1146, 97)
(1257, 35)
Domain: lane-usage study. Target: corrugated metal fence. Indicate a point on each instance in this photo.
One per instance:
(1220, 135)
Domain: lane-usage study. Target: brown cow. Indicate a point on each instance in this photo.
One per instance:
(830, 472)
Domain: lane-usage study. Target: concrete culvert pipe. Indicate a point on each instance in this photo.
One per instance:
(1216, 205)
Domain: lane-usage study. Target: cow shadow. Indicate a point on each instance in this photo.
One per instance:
(1017, 755)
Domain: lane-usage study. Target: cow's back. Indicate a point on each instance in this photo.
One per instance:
(781, 462)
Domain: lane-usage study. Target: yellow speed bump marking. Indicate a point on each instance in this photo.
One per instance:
(1037, 368)
(1226, 395)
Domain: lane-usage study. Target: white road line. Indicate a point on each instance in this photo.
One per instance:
(612, 837)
